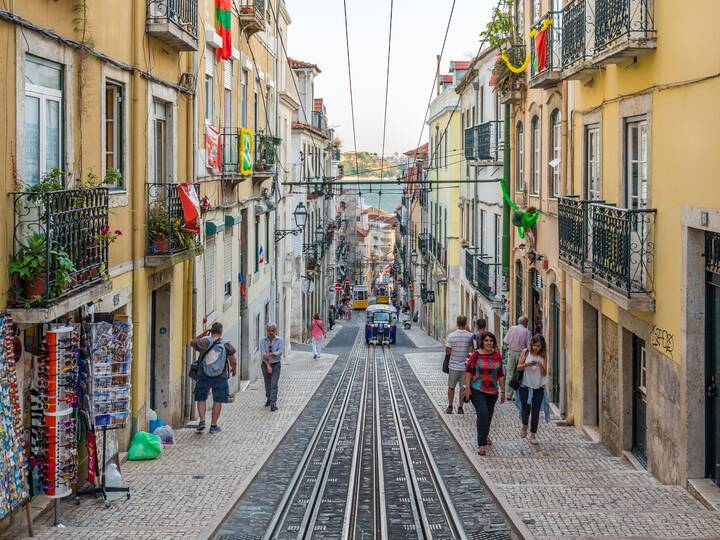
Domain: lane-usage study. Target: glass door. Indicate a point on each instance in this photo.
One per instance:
(712, 376)
(639, 433)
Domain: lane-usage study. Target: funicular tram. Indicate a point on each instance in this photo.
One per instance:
(381, 324)
(382, 295)
(360, 297)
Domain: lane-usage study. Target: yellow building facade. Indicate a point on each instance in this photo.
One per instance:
(638, 235)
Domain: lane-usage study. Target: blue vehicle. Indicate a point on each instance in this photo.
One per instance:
(381, 324)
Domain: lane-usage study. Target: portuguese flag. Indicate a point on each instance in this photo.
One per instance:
(541, 49)
(223, 24)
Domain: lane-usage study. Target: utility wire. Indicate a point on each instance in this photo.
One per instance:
(387, 87)
(352, 97)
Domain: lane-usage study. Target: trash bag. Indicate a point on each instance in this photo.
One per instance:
(113, 479)
(144, 446)
(154, 421)
(166, 434)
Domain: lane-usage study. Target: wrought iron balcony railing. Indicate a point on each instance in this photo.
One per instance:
(490, 141)
(487, 276)
(230, 148)
(574, 232)
(627, 21)
(471, 143)
(251, 14)
(577, 35)
(174, 22)
(166, 231)
(623, 248)
(59, 247)
(266, 148)
(552, 66)
(470, 264)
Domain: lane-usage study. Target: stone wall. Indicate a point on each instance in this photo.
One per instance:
(664, 436)
(610, 387)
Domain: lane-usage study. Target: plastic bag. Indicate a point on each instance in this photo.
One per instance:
(113, 479)
(144, 446)
(154, 421)
(166, 434)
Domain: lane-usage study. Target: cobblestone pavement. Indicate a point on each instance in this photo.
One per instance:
(196, 481)
(567, 486)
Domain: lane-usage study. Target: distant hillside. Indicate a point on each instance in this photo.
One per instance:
(369, 164)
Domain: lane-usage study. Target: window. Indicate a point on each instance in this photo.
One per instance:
(257, 243)
(519, 158)
(535, 156)
(555, 142)
(520, 17)
(160, 141)
(256, 105)
(518, 291)
(536, 10)
(482, 232)
(482, 104)
(445, 136)
(498, 237)
(244, 98)
(43, 122)
(227, 95)
(593, 189)
(209, 86)
(267, 238)
(227, 261)
(636, 164)
(114, 131)
(257, 332)
(437, 146)
(210, 277)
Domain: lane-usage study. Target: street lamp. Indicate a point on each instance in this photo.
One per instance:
(413, 257)
(319, 234)
(300, 217)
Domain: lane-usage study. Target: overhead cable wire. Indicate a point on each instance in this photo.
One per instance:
(387, 88)
(352, 97)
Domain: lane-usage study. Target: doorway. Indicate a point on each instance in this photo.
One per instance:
(639, 415)
(160, 368)
(536, 309)
(712, 375)
(555, 346)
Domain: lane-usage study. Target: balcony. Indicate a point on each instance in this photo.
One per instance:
(251, 14)
(265, 155)
(487, 276)
(424, 243)
(574, 236)
(511, 86)
(173, 22)
(613, 246)
(230, 149)
(60, 258)
(168, 240)
(578, 40)
(551, 74)
(623, 29)
(484, 143)
(470, 264)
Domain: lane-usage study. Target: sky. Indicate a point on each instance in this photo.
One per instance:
(317, 35)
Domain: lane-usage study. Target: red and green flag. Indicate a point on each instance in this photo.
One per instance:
(541, 49)
(223, 25)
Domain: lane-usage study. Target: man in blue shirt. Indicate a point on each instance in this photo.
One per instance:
(272, 349)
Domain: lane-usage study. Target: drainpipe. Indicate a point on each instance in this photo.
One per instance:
(506, 208)
(565, 173)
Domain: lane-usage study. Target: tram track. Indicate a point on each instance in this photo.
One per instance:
(368, 471)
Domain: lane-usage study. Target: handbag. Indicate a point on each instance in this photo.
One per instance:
(446, 364)
(195, 367)
(516, 379)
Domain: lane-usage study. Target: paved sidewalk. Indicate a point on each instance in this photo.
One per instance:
(567, 486)
(420, 339)
(195, 482)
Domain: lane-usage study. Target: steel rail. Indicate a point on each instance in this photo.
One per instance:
(451, 514)
(380, 513)
(284, 505)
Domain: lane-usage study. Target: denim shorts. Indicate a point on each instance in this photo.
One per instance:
(218, 385)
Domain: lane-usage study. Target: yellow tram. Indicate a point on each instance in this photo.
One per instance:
(382, 295)
(360, 297)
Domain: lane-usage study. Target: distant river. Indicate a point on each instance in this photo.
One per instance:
(386, 195)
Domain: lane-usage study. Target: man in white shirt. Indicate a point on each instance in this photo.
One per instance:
(459, 344)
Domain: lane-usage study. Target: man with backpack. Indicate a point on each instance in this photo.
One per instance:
(216, 363)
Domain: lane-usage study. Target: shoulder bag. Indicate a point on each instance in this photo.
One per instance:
(196, 367)
(516, 380)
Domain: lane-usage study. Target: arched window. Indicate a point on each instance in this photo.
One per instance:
(555, 160)
(535, 156)
(518, 291)
(519, 158)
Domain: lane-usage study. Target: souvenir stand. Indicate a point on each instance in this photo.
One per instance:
(109, 390)
(14, 488)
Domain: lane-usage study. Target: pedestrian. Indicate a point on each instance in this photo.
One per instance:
(533, 364)
(480, 329)
(516, 340)
(272, 348)
(317, 331)
(459, 344)
(484, 380)
(217, 362)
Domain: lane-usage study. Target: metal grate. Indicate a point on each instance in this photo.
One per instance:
(712, 252)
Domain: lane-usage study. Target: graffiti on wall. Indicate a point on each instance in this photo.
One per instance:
(662, 340)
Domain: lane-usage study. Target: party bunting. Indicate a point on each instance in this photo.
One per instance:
(534, 33)
(223, 25)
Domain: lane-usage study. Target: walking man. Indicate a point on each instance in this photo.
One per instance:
(459, 344)
(272, 348)
(480, 329)
(217, 363)
(516, 341)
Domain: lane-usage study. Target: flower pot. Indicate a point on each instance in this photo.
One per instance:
(161, 244)
(35, 287)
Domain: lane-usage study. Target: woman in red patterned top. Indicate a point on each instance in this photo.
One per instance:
(484, 380)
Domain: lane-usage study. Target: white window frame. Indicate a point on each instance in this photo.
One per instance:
(593, 178)
(556, 149)
(520, 157)
(160, 122)
(535, 156)
(210, 277)
(118, 129)
(244, 76)
(640, 199)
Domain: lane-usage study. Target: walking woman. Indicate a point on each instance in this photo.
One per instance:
(533, 364)
(484, 380)
(317, 331)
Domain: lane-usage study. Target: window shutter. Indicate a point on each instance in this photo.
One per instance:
(227, 261)
(227, 65)
(210, 277)
(210, 62)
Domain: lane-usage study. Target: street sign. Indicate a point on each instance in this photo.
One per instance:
(338, 287)
(429, 297)
(347, 282)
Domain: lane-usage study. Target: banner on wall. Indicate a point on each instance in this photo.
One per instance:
(190, 203)
(247, 147)
(212, 147)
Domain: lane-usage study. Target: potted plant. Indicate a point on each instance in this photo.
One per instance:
(29, 266)
(158, 229)
(185, 239)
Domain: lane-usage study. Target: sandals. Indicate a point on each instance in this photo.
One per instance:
(482, 450)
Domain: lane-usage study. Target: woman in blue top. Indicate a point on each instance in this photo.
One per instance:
(533, 364)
